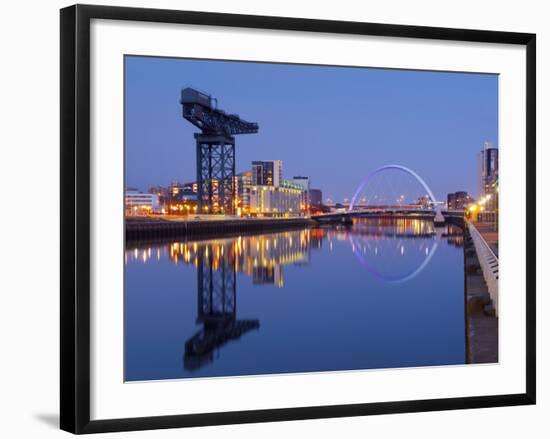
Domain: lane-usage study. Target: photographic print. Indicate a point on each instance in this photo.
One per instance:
(293, 218)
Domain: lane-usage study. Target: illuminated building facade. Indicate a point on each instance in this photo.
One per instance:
(161, 192)
(423, 202)
(191, 186)
(305, 183)
(139, 203)
(458, 200)
(267, 173)
(488, 175)
(282, 201)
(175, 188)
(243, 187)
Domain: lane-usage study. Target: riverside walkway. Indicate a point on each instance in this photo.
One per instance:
(481, 282)
(489, 234)
(485, 241)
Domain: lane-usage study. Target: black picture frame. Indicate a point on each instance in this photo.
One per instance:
(75, 217)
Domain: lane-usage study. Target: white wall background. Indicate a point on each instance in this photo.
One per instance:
(29, 249)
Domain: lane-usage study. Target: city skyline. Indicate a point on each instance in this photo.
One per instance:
(378, 108)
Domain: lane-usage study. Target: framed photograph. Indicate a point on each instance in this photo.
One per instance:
(268, 219)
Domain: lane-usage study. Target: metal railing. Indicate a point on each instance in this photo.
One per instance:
(488, 262)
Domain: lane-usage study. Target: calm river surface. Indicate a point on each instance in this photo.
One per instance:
(380, 294)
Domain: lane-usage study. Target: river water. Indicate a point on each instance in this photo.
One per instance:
(382, 293)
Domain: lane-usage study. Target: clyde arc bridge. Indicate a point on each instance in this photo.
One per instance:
(432, 207)
(431, 198)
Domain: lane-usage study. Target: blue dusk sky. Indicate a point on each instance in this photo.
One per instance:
(334, 124)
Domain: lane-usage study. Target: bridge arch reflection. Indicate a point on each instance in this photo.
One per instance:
(388, 278)
(369, 242)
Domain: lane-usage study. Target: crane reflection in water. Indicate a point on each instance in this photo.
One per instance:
(378, 245)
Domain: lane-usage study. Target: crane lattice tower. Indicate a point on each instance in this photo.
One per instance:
(216, 188)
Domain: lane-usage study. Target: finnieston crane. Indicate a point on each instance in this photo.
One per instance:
(215, 150)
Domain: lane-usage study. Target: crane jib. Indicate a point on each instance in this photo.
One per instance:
(198, 109)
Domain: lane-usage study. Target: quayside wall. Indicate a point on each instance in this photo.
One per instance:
(144, 229)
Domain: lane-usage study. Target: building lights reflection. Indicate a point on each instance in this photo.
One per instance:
(262, 257)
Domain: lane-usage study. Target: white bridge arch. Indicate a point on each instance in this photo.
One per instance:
(399, 168)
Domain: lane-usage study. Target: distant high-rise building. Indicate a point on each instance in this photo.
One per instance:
(243, 186)
(267, 173)
(315, 197)
(488, 174)
(305, 183)
(458, 200)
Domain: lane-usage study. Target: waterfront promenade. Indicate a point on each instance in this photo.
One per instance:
(489, 234)
(481, 289)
